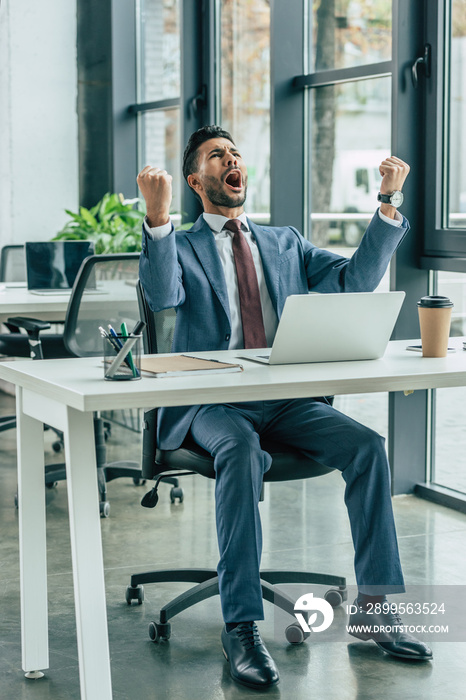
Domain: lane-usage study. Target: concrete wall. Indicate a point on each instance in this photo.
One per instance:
(38, 120)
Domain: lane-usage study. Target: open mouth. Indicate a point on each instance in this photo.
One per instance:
(234, 180)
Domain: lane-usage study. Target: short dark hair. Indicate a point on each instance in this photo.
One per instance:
(196, 139)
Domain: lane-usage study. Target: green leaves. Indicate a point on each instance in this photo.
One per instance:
(113, 224)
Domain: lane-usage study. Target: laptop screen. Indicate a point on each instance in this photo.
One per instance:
(55, 264)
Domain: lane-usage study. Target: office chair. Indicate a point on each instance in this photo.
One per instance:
(15, 343)
(12, 264)
(103, 293)
(287, 464)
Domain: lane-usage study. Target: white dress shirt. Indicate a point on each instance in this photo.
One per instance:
(223, 240)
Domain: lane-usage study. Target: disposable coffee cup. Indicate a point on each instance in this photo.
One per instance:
(434, 321)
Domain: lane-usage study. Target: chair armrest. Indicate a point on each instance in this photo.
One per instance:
(32, 326)
(29, 324)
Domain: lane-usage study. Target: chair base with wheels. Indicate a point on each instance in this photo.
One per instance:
(207, 587)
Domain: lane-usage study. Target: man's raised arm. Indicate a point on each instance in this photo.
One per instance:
(156, 187)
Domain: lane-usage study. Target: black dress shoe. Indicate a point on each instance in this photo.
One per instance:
(250, 662)
(386, 630)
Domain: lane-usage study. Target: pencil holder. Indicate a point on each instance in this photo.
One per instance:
(129, 367)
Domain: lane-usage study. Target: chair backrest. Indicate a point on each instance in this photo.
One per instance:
(160, 325)
(158, 337)
(12, 264)
(104, 293)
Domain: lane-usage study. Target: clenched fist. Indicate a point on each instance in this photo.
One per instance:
(156, 187)
(394, 172)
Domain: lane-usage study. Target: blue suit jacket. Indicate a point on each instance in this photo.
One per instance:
(183, 270)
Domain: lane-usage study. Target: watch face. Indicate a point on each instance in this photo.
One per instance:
(396, 199)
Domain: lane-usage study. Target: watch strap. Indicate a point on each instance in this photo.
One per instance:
(384, 198)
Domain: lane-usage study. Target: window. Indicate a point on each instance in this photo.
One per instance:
(159, 49)
(350, 124)
(244, 99)
(450, 440)
(350, 116)
(348, 33)
(160, 144)
(350, 134)
(445, 237)
(159, 81)
(456, 111)
(449, 444)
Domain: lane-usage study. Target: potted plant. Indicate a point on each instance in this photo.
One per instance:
(114, 224)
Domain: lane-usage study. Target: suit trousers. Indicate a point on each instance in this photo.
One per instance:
(231, 434)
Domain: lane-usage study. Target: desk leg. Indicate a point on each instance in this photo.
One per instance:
(86, 550)
(32, 541)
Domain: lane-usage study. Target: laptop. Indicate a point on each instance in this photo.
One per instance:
(52, 266)
(332, 328)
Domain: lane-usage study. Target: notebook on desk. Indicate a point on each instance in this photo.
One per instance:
(332, 328)
(52, 266)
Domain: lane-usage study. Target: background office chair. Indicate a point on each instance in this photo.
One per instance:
(103, 293)
(287, 464)
(12, 264)
(16, 343)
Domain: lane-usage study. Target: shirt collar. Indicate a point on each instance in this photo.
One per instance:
(216, 222)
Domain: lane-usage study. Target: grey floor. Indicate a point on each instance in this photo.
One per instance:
(305, 526)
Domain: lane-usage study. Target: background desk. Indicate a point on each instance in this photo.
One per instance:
(64, 393)
(18, 301)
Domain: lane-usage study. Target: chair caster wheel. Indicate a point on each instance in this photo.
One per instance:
(159, 632)
(138, 482)
(134, 593)
(295, 634)
(104, 509)
(334, 597)
(57, 446)
(176, 492)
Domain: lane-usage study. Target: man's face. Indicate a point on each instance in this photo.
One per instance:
(221, 175)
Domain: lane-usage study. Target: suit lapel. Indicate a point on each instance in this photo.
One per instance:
(268, 249)
(203, 242)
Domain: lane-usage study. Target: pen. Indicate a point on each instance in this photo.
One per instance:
(129, 358)
(138, 328)
(110, 339)
(114, 336)
(207, 359)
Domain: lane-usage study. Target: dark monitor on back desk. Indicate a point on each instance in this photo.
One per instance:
(52, 266)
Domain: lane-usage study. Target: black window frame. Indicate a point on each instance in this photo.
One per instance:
(444, 247)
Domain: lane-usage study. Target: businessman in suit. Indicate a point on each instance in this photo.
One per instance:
(228, 279)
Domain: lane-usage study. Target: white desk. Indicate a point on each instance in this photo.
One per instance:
(64, 393)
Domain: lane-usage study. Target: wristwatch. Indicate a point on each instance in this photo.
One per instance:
(395, 198)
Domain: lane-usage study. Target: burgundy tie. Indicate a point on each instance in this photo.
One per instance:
(248, 288)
